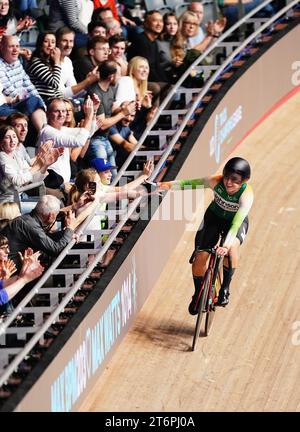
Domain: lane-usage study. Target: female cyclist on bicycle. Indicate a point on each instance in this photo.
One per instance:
(228, 213)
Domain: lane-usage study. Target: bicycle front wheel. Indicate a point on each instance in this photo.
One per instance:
(202, 304)
(211, 309)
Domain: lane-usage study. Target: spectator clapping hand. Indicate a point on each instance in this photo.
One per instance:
(46, 156)
(7, 269)
(25, 23)
(26, 254)
(45, 147)
(128, 108)
(215, 28)
(138, 104)
(209, 27)
(50, 157)
(70, 220)
(151, 113)
(31, 266)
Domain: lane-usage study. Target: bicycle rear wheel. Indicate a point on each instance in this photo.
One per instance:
(211, 309)
(202, 303)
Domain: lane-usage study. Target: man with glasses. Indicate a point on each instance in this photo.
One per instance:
(197, 9)
(228, 213)
(35, 230)
(98, 51)
(190, 28)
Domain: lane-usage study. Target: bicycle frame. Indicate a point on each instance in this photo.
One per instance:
(206, 297)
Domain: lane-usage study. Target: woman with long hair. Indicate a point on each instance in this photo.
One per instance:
(134, 86)
(76, 153)
(8, 211)
(183, 52)
(44, 68)
(10, 21)
(169, 32)
(15, 171)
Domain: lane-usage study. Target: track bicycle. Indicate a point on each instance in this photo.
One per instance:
(208, 294)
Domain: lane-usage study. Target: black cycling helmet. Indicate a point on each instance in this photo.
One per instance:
(239, 166)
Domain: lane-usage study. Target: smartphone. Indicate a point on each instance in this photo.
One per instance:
(92, 187)
(61, 216)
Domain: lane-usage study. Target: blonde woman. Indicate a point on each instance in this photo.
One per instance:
(135, 85)
(70, 119)
(184, 52)
(189, 28)
(9, 210)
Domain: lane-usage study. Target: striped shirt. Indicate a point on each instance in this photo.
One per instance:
(15, 80)
(64, 13)
(45, 80)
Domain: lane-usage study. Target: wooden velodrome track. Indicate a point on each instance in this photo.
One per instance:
(250, 361)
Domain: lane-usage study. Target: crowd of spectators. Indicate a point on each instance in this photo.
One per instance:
(72, 109)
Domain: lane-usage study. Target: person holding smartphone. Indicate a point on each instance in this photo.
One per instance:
(93, 184)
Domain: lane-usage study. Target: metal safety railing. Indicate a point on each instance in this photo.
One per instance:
(218, 43)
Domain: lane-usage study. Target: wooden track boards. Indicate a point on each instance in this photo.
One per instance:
(250, 361)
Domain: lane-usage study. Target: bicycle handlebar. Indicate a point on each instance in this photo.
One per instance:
(209, 250)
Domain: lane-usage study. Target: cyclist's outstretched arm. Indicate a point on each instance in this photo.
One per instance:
(206, 182)
(246, 201)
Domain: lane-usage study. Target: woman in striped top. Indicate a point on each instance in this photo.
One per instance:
(44, 69)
